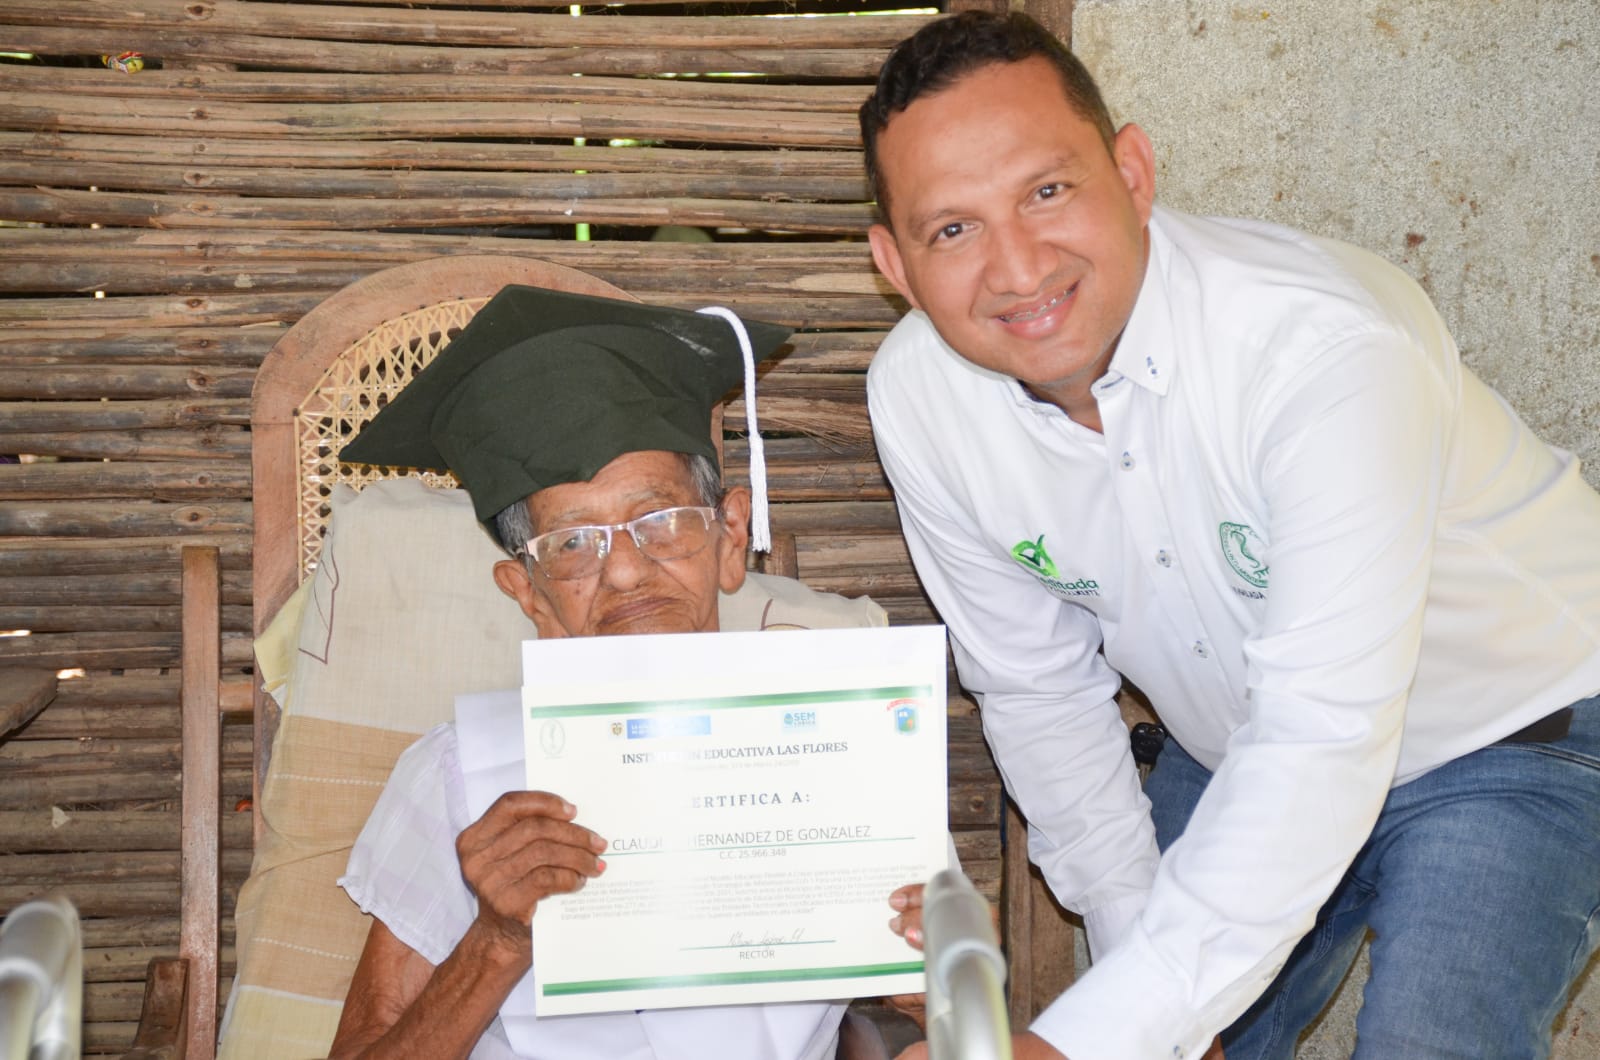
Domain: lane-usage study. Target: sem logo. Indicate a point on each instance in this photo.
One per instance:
(799, 719)
(1244, 549)
(1034, 558)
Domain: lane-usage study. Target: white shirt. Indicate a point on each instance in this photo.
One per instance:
(404, 870)
(1330, 555)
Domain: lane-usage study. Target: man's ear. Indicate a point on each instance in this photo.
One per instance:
(734, 540)
(1136, 162)
(886, 255)
(512, 576)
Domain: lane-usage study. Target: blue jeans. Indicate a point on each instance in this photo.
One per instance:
(1481, 886)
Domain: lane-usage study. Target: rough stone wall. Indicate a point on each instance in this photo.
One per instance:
(1458, 138)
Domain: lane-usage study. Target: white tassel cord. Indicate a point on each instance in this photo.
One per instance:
(760, 532)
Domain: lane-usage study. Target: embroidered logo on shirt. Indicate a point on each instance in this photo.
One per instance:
(1032, 557)
(1243, 549)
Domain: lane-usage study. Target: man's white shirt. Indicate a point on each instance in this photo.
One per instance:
(1331, 556)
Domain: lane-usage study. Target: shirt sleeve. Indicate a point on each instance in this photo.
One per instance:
(1350, 458)
(1047, 698)
(403, 868)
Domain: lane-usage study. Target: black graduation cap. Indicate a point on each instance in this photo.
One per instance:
(545, 387)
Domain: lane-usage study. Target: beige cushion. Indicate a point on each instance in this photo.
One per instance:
(401, 616)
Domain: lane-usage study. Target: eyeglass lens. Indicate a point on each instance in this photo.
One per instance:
(672, 533)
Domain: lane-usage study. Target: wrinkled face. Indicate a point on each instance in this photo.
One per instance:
(631, 593)
(1013, 227)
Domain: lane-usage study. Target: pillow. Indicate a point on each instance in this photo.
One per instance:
(400, 617)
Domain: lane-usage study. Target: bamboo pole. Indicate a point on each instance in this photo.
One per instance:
(127, 896)
(384, 183)
(42, 758)
(239, 310)
(846, 517)
(526, 119)
(43, 831)
(92, 867)
(156, 481)
(117, 589)
(880, 585)
(875, 551)
(108, 651)
(101, 619)
(157, 278)
(135, 722)
(70, 268)
(115, 722)
(69, 206)
(123, 519)
(58, 556)
(122, 415)
(835, 481)
(328, 22)
(139, 930)
(116, 964)
(110, 790)
(69, 273)
(374, 58)
(229, 347)
(218, 445)
(420, 154)
(396, 86)
(840, 311)
(125, 381)
(764, 262)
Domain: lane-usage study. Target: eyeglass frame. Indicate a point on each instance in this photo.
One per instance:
(711, 516)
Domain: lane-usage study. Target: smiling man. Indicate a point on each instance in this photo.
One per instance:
(580, 427)
(1244, 468)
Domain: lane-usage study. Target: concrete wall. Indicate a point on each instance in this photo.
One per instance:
(1459, 138)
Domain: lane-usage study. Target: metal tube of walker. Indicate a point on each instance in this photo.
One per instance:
(41, 982)
(966, 973)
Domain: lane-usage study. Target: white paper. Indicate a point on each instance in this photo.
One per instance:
(763, 793)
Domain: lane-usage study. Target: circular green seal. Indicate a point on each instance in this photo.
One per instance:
(1243, 546)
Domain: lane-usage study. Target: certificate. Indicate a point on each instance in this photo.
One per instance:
(763, 793)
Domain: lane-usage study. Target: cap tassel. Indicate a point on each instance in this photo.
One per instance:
(760, 532)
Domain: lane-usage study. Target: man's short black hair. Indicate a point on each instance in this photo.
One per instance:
(942, 52)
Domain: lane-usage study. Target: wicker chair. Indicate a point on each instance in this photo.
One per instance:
(324, 379)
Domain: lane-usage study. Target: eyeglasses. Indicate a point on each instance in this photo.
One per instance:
(580, 551)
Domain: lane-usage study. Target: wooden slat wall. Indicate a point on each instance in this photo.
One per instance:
(175, 221)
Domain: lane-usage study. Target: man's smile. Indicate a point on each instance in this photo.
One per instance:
(1023, 316)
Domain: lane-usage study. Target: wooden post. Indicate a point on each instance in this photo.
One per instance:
(23, 694)
(202, 793)
(1038, 935)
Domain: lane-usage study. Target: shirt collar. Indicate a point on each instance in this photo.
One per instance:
(1145, 352)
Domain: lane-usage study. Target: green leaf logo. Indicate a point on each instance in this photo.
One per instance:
(1032, 555)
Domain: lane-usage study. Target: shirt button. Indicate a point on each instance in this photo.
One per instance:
(1201, 650)
(1164, 558)
(1126, 461)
